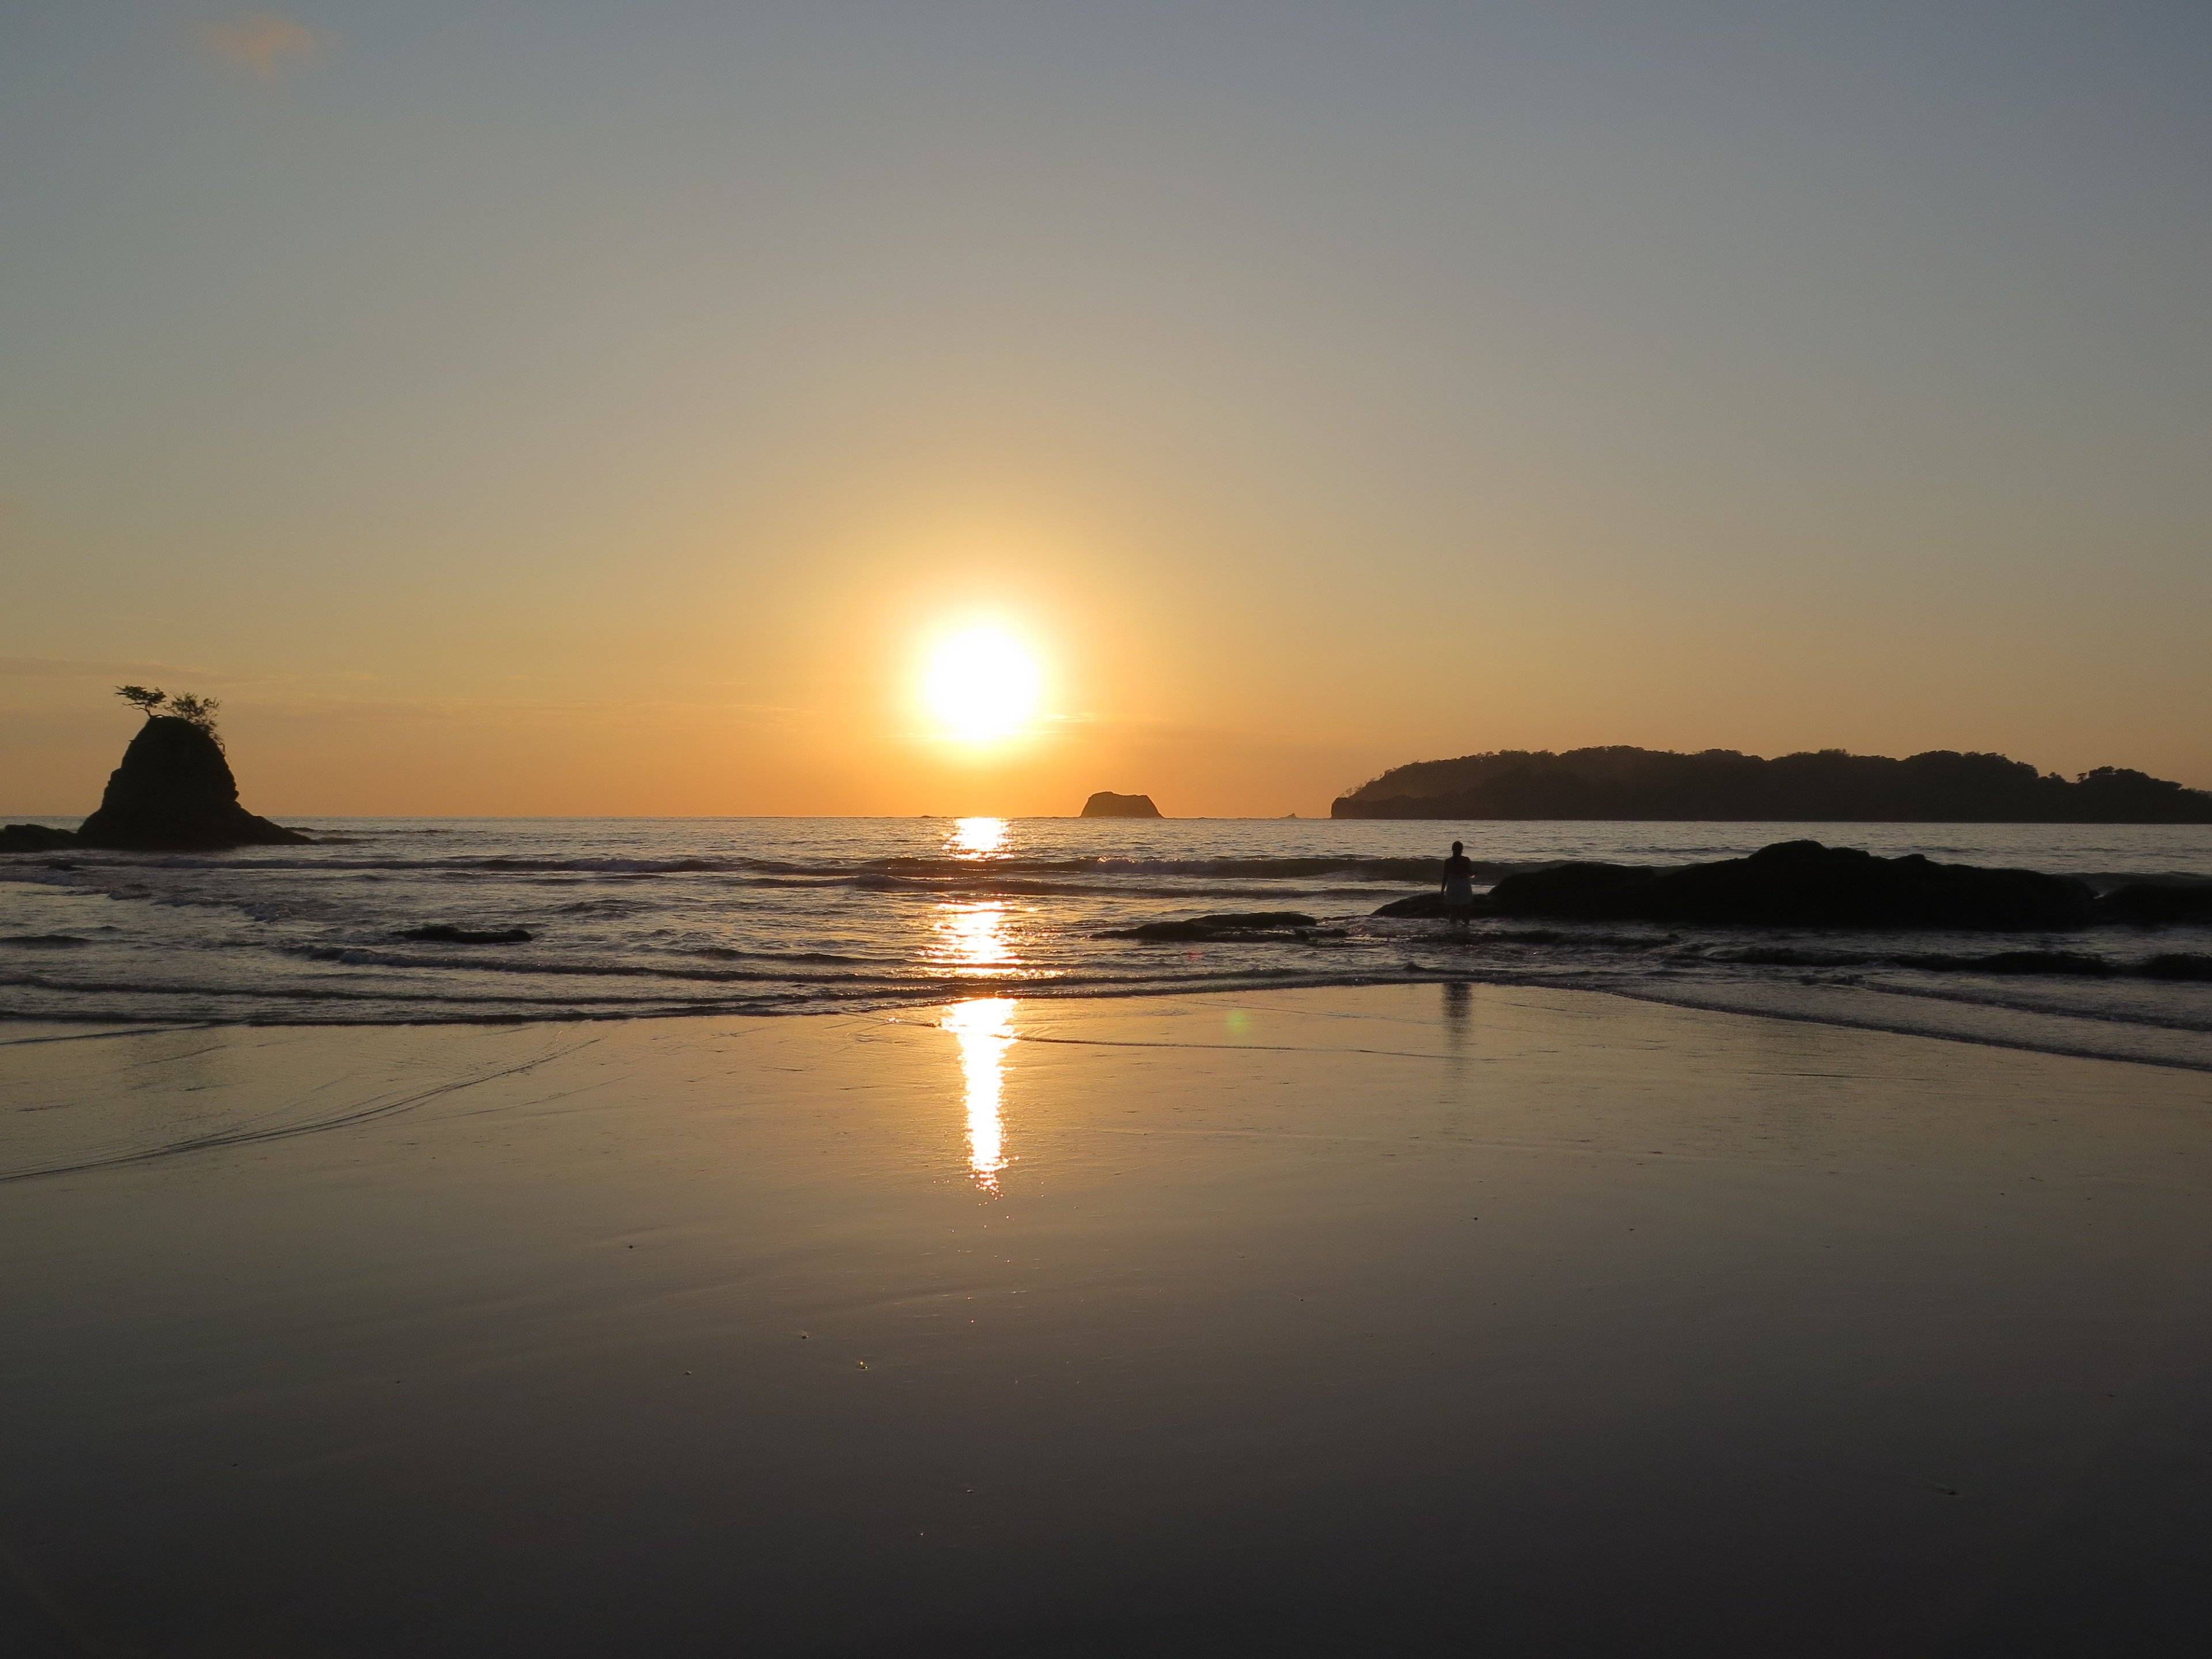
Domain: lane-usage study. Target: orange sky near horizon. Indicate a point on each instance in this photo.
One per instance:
(721, 683)
(565, 415)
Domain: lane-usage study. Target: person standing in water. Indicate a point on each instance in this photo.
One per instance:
(1459, 887)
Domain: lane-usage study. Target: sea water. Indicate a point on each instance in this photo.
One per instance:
(632, 918)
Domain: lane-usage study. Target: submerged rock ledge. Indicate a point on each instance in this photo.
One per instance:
(1802, 884)
(1793, 884)
(1239, 926)
(34, 838)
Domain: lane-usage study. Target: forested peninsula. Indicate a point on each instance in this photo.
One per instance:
(1826, 787)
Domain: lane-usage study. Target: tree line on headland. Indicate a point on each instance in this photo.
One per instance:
(1826, 787)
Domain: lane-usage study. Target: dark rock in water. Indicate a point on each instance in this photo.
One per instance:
(2182, 965)
(444, 933)
(1229, 928)
(1427, 905)
(1107, 804)
(2071, 963)
(34, 838)
(174, 794)
(2153, 902)
(1802, 883)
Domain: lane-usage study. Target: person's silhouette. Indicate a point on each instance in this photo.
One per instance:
(1459, 887)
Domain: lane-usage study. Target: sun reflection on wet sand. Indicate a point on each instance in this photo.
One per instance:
(978, 834)
(985, 1029)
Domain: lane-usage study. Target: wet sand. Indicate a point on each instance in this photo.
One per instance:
(1389, 1318)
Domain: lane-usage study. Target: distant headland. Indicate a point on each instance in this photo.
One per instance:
(1826, 787)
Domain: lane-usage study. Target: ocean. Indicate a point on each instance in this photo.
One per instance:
(639, 918)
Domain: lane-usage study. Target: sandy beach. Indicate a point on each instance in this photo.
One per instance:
(1354, 1319)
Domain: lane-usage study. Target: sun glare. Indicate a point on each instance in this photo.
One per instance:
(977, 835)
(982, 685)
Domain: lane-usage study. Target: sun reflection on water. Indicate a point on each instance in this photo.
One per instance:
(977, 835)
(985, 1029)
(972, 937)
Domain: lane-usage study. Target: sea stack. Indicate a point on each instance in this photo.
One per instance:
(1107, 804)
(174, 794)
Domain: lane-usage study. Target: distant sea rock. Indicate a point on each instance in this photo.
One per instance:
(174, 794)
(1107, 804)
(1802, 883)
(1940, 786)
(34, 838)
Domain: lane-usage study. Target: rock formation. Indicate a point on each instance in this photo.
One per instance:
(1107, 804)
(1802, 883)
(174, 794)
(34, 838)
(1247, 927)
(1419, 905)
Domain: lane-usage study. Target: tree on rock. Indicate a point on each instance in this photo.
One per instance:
(189, 707)
(174, 791)
(197, 711)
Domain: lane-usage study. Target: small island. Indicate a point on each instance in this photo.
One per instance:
(172, 794)
(1826, 787)
(1107, 804)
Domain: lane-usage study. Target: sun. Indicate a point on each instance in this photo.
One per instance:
(982, 685)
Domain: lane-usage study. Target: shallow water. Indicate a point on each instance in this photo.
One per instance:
(640, 917)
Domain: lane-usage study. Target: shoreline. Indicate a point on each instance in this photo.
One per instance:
(1889, 1011)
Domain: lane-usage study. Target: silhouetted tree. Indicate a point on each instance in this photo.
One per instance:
(144, 698)
(195, 710)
